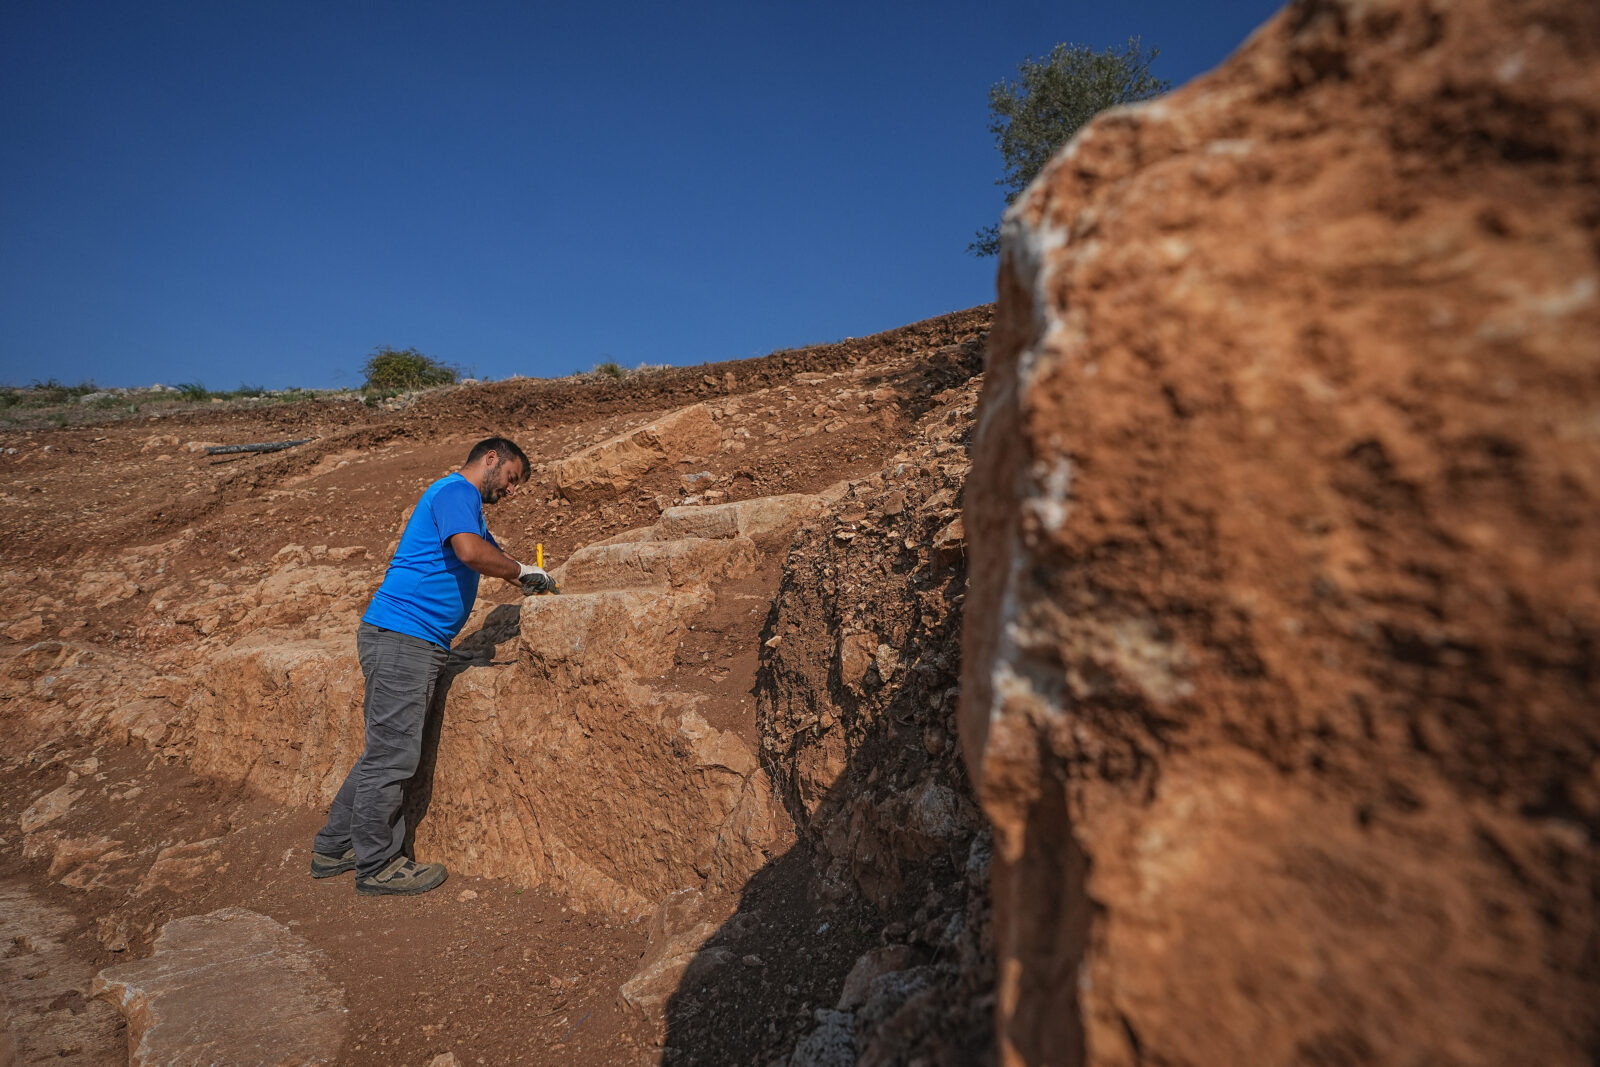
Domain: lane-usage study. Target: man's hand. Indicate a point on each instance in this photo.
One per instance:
(535, 581)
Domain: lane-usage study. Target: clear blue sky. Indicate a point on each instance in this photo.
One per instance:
(261, 193)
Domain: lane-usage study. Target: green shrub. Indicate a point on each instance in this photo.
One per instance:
(609, 369)
(395, 368)
(192, 391)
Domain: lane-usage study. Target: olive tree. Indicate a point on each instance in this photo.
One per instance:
(1051, 98)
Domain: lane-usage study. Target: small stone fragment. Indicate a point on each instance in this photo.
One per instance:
(48, 808)
(30, 627)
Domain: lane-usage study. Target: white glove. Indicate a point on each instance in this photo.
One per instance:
(534, 580)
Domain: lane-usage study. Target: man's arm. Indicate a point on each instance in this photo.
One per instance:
(483, 557)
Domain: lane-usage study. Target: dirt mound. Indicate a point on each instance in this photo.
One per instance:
(1280, 678)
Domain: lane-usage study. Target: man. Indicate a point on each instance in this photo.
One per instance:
(403, 643)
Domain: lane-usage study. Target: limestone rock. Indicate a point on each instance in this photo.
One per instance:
(48, 808)
(71, 852)
(1284, 595)
(678, 930)
(674, 564)
(740, 518)
(178, 868)
(599, 636)
(230, 987)
(148, 720)
(28, 628)
(617, 463)
(719, 749)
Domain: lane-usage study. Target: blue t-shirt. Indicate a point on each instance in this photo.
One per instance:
(427, 591)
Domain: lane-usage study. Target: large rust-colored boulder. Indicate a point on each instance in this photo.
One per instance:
(1279, 676)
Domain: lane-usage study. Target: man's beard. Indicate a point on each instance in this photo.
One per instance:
(490, 493)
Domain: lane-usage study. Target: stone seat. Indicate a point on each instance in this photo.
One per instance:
(676, 564)
(608, 635)
(753, 518)
(739, 518)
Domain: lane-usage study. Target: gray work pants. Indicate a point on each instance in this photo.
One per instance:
(401, 673)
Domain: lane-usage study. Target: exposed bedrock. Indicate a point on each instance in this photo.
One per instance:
(1279, 666)
(543, 700)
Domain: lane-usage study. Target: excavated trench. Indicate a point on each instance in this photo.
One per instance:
(546, 699)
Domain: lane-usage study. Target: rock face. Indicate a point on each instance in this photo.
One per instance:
(664, 564)
(1279, 676)
(230, 987)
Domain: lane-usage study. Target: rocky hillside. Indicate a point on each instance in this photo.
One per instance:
(182, 699)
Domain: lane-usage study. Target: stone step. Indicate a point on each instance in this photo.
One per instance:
(739, 518)
(609, 635)
(690, 561)
(754, 518)
(230, 987)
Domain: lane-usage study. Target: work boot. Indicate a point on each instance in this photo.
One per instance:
(403, 876)
(328, 866)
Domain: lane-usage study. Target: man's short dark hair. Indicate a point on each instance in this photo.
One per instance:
(503, 447)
